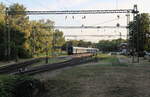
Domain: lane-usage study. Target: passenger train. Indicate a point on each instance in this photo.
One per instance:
(79, 50)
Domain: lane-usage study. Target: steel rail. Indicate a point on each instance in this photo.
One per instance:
(54, 66)
(16, 66)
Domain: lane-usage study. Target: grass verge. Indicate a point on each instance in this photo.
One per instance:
(109, 60)
(99, 81)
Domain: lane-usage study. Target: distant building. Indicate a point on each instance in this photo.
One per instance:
(123, 48)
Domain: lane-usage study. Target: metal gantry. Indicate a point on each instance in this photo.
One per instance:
(83, 27)
(73, 12)
(135, 31)
(88, 27)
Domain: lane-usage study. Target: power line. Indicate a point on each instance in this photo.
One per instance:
(108, 21)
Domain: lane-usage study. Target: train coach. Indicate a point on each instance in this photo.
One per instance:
(80, 50)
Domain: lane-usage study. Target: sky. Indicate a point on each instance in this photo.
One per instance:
(90, 20)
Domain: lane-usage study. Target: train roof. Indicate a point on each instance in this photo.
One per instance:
(83, 48)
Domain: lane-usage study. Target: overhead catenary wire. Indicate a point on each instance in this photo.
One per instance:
(108, 21)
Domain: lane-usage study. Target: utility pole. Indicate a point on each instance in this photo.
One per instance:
(138, 37)
(136, 17)
(7, 35)
(9, 43)
(128, 40)
(135, 31)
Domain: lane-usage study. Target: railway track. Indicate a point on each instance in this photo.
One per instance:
(49, 67)
(27, 68)
(16, 66)
(8, 69)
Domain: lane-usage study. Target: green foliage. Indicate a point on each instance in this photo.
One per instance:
(8, 84)
(2, 26)
(58, 38)
(27, 38)
(40, 37)
(18, 36)
(145, 28)
(107, 46)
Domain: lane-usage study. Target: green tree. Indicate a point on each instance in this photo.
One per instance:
(144, 29)
(19, 28)
(41, 37)
(2, 31)
(109, 45)
(58, 38)
(27, 38)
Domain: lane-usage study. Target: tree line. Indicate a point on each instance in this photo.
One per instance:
(28, 38)
(102, 45)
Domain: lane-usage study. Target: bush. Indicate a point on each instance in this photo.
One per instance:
(17, 86)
